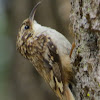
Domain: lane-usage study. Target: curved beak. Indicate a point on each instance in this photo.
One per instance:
(32, 14)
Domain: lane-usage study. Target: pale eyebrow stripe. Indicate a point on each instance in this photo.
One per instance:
(22, 24)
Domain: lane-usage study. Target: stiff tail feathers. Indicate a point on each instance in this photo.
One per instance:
(68, 95)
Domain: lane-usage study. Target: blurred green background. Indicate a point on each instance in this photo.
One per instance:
(18, 78)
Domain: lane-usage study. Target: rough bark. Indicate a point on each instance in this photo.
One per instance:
(85, 17)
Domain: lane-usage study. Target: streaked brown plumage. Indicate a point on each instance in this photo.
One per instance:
(48, 51)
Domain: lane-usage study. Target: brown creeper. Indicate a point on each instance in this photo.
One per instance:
(48, 51)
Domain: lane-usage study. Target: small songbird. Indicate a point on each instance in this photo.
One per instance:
(48, 51)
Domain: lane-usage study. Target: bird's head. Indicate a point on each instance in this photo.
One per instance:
(26, 30)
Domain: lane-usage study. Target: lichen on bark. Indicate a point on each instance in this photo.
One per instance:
(85, 17)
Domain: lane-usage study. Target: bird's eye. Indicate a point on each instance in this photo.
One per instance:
(26, 27)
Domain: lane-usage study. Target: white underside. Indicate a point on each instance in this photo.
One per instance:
(63, 45)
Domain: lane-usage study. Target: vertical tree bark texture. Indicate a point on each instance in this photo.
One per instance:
(85, 17)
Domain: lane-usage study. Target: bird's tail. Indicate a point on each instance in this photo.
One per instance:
(68, 95)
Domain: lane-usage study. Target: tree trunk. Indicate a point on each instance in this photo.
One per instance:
(85, 17)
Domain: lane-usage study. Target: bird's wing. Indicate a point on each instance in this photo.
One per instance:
(53, 62)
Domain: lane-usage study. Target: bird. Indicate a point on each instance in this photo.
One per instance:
(48, 51)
